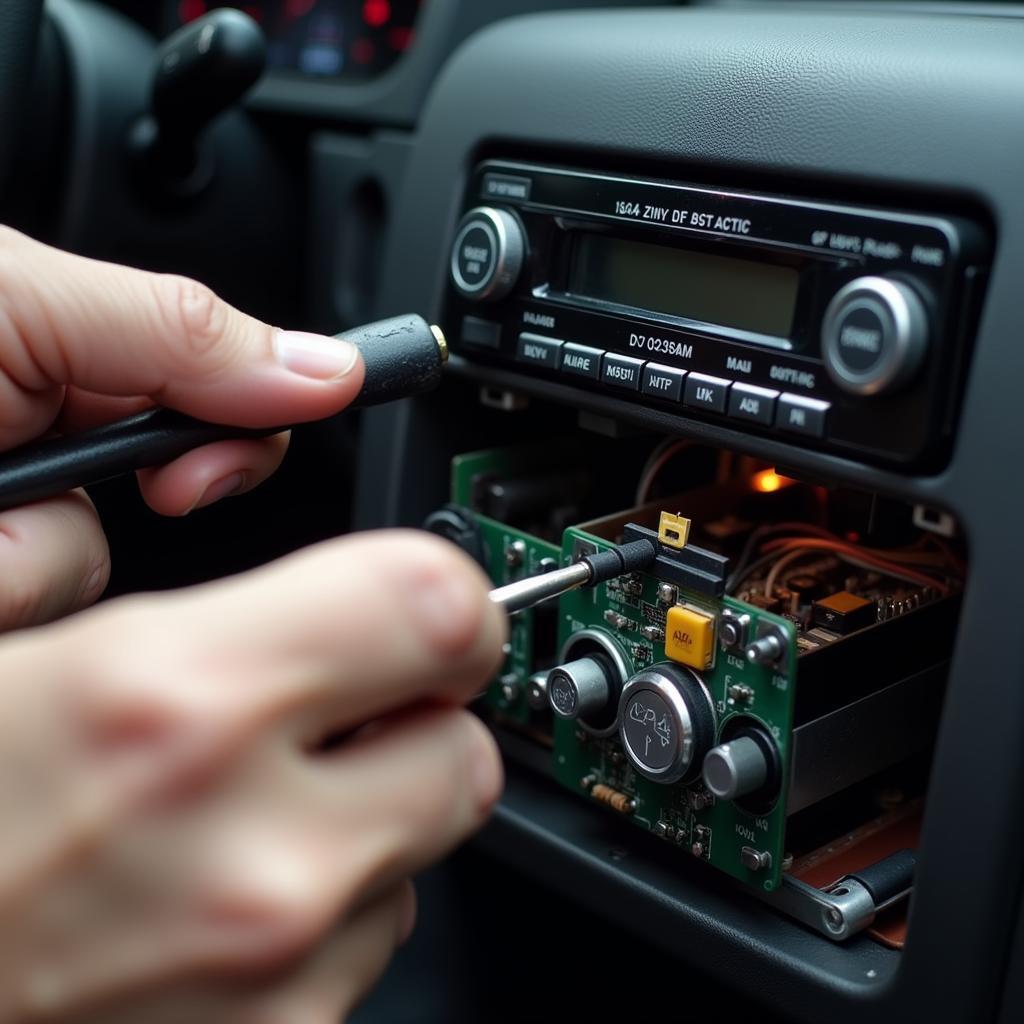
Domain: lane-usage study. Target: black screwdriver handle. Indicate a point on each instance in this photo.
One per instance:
(403, 356)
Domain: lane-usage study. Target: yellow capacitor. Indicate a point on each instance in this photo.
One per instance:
(689, 636)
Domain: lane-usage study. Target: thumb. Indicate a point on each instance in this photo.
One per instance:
(112, 330)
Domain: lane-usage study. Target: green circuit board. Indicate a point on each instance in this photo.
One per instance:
(509, 555)
(715, 831)
(683, 814)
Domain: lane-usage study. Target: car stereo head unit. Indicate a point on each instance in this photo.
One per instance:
(837, 327)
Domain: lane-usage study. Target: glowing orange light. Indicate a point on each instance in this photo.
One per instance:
(768, 480)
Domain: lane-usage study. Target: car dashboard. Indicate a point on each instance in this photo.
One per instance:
(741, 280)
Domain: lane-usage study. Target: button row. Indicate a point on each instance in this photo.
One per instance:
(762, 406)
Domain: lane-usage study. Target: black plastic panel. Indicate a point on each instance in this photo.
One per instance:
(859, 106)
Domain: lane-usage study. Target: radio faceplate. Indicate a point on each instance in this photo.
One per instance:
(832, 327)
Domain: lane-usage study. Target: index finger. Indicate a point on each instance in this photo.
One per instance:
(68, 320)
(321, 641)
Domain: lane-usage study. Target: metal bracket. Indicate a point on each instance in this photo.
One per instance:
(839, 912)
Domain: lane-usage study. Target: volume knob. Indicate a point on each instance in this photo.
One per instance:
(874, 335)
(488, 254)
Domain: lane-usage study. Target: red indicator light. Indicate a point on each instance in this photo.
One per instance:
(363, 51)
(377, 13)
(400, 38)
(189, 10)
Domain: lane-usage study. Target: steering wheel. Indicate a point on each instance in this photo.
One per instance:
(19, 29)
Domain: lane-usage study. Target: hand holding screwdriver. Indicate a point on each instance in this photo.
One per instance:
(167, 752)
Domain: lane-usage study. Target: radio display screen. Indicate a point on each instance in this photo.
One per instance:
(742, 294)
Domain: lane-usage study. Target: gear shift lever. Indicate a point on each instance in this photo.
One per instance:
(200, 71)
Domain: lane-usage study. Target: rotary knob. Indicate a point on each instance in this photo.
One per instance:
(874, 335)
(488, 254)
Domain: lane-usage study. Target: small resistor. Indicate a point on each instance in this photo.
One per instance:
(614, 798)
(616, 619)
(739, 693)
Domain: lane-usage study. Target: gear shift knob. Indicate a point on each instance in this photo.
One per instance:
(200, 71)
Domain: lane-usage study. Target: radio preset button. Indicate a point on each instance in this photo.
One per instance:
(754, 404)
(506, 186)
(488, 253)
(582, 361)
(537, 350)
(874, 335)
(663, 382)
(801, 415)
(704, 392)
(480, 333)
(621, 371)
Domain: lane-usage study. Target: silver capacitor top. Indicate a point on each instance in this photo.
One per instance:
(735, 769)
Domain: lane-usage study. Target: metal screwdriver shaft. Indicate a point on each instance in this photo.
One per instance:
(587, 572)
(514, 597)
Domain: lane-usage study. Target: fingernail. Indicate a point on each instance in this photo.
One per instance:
(313, 355)
(446, 609)
(486, 772)
(222, 488)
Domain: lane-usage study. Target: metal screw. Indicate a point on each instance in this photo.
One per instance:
(515, 553)
(537, 691)
(510, 688)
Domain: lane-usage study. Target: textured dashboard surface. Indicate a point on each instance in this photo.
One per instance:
(914, 109)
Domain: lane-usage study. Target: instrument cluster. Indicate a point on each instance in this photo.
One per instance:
(335, 39)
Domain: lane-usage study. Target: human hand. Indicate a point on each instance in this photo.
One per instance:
(180, 843)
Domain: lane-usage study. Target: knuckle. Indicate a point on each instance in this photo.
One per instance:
(193, 317)
(438, 800)
(432, 550)
(276, 908)
(128, 680)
